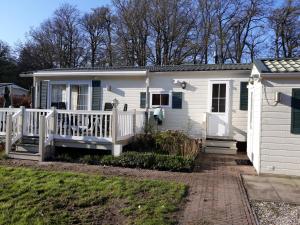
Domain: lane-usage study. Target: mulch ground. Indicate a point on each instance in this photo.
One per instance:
(216, 193)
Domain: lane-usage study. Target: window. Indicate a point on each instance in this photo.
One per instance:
(244, 96)
(218, 98)
(79, 97)
(160, 99)
(295, 123)
(59, 96)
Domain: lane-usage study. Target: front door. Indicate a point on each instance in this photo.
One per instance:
(218, 109)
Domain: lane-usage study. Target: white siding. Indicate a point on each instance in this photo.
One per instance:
(280, 149)
(126, 90)
(254, 124)
(195, 100)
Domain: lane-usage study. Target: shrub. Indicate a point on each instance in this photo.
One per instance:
(166, 142)
(18, 101)
(150, 161)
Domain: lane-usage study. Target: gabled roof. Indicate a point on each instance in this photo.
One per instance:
(283, 65)
(168, 68)
(2, 85)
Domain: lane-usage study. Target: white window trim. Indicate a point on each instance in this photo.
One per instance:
(68, 89)
(161, 92)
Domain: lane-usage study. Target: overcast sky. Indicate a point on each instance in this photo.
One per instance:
(18, 16)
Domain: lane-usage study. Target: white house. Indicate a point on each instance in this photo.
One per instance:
(274, 116)
(203, 100)
(73, 107)
(16, 90)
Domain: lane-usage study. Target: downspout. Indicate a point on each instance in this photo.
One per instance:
(147, 96)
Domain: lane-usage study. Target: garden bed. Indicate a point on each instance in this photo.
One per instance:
(146, 160)
(31, 196)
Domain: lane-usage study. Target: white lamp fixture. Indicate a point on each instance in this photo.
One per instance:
(181, 83)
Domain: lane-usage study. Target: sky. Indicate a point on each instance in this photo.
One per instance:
(18, 16)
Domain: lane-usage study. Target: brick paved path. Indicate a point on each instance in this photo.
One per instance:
(216, 195)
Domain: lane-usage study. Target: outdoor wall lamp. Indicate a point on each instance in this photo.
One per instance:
(181, 83)
(115, 103)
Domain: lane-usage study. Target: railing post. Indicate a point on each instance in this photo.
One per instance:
(114, 125)
(22, 119)
(134, 122)
(8, 133)
(42, 137)
(53, 121)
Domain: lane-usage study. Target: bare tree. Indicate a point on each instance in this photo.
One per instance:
(133, 29)
(286, 27)
(171, 24)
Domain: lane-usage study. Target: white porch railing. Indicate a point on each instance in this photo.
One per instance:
(49, 127)
(140, 122)
(52, 124)
(31, 121)
(3, 116)
(16, 126)
(125, 125)
(83, 125)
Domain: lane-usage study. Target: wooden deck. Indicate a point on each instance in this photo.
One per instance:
(109, 130)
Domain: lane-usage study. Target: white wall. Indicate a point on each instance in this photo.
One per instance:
(280, 149)
(195, 99)
(126, 90)
(254, 124)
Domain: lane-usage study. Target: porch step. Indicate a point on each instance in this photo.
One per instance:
(30, 140)
(24, 155)
(220, 150)
(220, 143)
(29, 148)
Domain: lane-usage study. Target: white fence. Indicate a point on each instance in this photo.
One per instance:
(72, 124)
(83, 125)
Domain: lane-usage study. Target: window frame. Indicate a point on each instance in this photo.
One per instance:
(68, 91)
(161, 93)
(294, 130)
(241, 106)
(218, 98)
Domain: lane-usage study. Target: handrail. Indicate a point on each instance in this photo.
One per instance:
(84, 112)
(16, 126)
(48, 128)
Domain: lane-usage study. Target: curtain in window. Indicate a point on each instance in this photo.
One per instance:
(79, 97)
(58, 95)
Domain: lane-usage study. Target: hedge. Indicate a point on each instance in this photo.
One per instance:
(150, 161)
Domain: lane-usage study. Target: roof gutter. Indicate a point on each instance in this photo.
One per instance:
(137, 73)
(290, 75)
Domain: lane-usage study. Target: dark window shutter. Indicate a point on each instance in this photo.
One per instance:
(244, 96)
(43, 94)
(143, 100)
(295, 123)
(177, 100)
(96, 95)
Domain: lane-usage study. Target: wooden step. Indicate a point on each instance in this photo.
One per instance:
(220, 150)
(24, 155)
(30, 140)
(221, 143)
(30, 148)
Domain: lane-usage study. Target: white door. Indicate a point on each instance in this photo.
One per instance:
(219, 109)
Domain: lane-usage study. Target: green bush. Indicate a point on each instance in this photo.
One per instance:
(166, 142)
(150, 161)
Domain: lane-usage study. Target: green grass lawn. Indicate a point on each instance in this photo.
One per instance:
(31, 196)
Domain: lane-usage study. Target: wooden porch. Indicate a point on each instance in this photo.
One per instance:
(32, 133)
